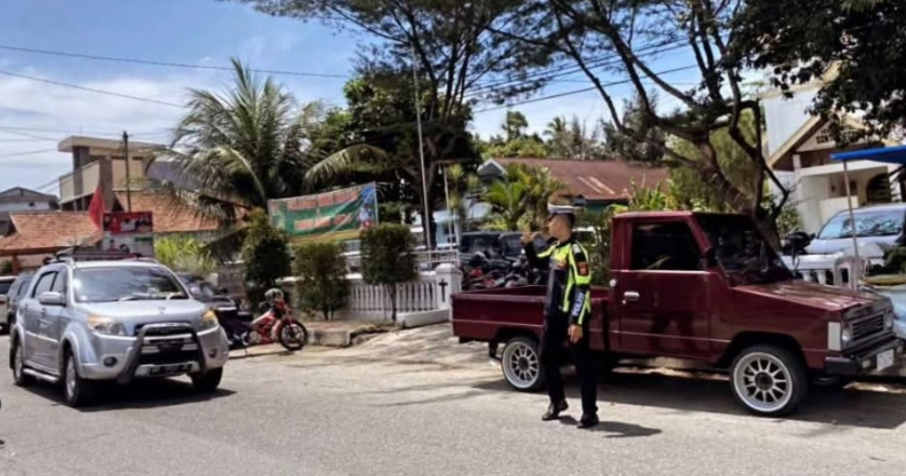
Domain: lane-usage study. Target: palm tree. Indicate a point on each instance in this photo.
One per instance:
(463, 187)
(508, 204)
(250, 145)
(519, 199)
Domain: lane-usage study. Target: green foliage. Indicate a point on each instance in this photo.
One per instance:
(860, 39)
(184, 253)
(251, 144)
(321, 270)
(623, 146)
(6, 267)
(789, 220)
(527, 147)
(572, 140)
(693, 191)
(519, 199)
(387, 258)
(265, 257)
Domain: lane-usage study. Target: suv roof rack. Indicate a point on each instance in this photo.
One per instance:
(74, 255)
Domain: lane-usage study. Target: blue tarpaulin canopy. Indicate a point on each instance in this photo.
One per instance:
(889, 155)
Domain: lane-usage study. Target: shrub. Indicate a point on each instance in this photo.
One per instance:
(387, 258)
(183, 253)
(265, 257)
(322, 285)
(6, 267)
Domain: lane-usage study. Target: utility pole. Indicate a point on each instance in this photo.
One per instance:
(128, 178)
(426, 220)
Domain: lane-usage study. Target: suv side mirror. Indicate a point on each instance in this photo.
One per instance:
(711, 257)
(51, 298)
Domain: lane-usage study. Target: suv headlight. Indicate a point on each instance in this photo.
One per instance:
(106, 326)
(209, 319)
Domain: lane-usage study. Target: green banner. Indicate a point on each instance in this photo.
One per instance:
(337, 215)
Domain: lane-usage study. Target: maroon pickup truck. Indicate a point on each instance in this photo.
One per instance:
(704, 287)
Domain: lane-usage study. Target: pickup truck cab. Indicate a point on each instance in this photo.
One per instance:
(703, 287)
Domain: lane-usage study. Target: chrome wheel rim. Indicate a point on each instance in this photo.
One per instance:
(763, 382)
(70, 378)
(521, 365)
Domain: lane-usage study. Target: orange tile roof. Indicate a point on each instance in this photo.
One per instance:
(597, 179)
(170, 216)
(48, 231)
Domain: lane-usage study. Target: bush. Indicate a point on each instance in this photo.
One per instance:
(6, 267)
(265, 257)
(183, 253)
(387, 258)
(322, 285)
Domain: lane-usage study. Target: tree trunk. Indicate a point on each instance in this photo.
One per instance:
(393, 302)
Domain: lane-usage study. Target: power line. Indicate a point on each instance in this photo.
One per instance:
(15, 131)
(83, 88)
(31, 152)
(163, 63)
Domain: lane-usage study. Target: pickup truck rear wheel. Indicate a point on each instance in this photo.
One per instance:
(521, 364)
(769, 380)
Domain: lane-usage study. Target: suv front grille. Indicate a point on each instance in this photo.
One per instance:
(172, 329)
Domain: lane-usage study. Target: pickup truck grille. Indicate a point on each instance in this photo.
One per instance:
(868, 327)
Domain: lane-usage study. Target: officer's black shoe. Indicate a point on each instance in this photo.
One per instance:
(553, 411)
(588, 421)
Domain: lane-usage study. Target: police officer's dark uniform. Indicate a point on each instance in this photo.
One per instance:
(567, 302)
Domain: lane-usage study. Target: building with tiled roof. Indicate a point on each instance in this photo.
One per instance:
(598, 182)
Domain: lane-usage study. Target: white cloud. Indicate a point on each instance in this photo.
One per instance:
(55, 112)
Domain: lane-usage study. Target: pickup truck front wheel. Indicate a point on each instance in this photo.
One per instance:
(769, 380)
(521, 364)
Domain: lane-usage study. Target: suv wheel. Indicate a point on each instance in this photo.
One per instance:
(769, 380)
(209, 381)
(18, 356)
(521, 362)
(77, 391)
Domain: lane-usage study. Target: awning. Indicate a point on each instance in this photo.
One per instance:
(889, 155)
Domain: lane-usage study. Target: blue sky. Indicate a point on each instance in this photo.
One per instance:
(203, 32)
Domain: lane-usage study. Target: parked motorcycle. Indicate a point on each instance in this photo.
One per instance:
(276, 324)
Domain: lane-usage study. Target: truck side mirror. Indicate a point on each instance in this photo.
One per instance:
(710, 257)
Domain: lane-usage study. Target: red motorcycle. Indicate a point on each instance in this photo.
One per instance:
(276, 325)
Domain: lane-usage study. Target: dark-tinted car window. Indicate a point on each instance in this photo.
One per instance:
(44, 284)
(4, 287)
(665, 247)
(22, 283)
(59, 284)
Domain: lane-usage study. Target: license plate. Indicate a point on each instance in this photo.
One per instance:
(170, 369)
(885, 359)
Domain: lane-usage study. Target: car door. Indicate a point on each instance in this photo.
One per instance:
(662, 299)
(32, 313)
(54, 320)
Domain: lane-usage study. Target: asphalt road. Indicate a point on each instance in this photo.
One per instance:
(345, 413)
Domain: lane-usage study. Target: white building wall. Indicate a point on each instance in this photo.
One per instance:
(24, 207)
(783, 116)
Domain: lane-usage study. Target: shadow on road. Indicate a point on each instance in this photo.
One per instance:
(620, 429)
(847, 407)
(140, 394)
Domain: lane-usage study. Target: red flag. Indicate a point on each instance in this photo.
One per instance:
(96, 209)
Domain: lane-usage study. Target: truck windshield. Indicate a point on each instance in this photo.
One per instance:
(125, 284)
(742, 251)
(874, 223)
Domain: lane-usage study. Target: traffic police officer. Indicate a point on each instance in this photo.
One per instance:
(566, 313)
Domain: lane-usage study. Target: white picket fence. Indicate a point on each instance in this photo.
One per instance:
(425, 300)
(835, 270)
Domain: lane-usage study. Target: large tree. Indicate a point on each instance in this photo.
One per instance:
(452, 46)
(859, 46)
(610, 39)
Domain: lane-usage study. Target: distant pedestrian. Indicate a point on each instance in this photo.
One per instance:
(566, 313)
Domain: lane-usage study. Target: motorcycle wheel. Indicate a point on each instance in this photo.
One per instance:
(293, 335)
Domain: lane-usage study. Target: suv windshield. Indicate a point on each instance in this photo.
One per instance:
(125, 284)
(742, 251)
(874, 223)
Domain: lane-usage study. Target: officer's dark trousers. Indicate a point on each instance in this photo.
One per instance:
(554, 352)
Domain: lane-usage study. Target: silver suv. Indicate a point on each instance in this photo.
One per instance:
(83, 322)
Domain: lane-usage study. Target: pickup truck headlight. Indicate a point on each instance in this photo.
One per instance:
(888, 320)
(209, 319)
(846, 335)
(106, 326)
